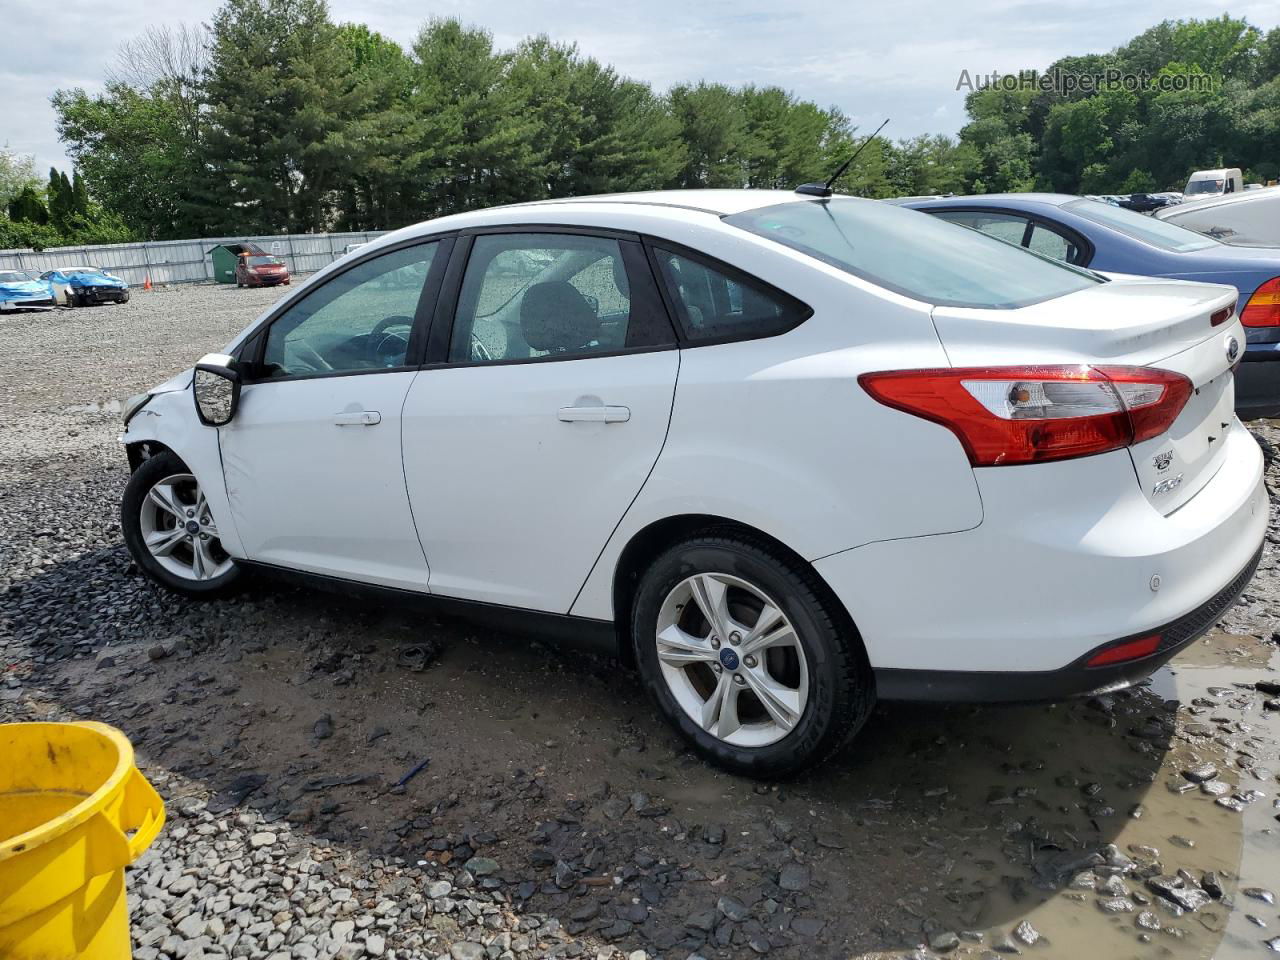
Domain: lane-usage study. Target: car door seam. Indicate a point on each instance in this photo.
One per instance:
(404, 476)
(671, 409)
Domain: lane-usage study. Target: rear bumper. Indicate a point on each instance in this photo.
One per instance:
(1074, 680)
(1258, 386)
(1069, 557)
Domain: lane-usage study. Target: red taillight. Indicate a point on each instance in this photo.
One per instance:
(1263, 308)
(1010, 415)
(1123, 652)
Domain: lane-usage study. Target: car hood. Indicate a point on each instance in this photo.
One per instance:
(95, 280)
(23, 286)
(175, 383)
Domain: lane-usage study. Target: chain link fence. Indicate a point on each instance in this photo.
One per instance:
(184, 261)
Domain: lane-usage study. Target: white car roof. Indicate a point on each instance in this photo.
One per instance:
(1172, 212)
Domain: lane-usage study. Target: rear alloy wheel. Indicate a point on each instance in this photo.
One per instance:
(749, 655)
(170, 529)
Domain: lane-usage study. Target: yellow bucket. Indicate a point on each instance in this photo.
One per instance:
(74, 812)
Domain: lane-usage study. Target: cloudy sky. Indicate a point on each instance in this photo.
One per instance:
(899, 60)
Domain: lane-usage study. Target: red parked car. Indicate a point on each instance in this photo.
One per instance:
(260, 271)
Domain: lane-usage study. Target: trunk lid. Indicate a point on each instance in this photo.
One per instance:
(1133, 322)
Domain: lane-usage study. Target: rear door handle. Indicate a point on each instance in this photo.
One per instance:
(595, 414)
(357, 418)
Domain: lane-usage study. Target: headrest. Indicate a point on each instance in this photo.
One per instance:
(554, 316)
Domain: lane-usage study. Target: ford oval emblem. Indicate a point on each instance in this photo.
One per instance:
(1233, 349)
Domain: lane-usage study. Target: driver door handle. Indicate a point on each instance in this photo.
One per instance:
(357, 418)
(595, 414)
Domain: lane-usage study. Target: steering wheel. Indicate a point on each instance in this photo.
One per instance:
(306, 355)
(389, 349)
(387, 323)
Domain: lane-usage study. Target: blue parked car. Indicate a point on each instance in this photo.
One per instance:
(1096, 235)
(83, 286)
(21, 291)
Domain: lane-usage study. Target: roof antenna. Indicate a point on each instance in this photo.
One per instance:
(824, 189)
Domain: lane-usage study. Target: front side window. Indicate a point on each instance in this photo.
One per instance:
(359, 320)
(719, 304)
(533, 296)
(913, 253)
(1148, 230)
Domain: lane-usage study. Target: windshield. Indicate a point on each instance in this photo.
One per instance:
(262, 261)
(914, 254)
(1149, 230)
(13, 276)
(1203, 186)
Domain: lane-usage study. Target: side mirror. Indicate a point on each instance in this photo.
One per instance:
(216, 389)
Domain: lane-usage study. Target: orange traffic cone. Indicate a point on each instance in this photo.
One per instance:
(146, 285)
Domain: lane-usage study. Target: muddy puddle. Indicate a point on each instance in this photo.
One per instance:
(1125, 785)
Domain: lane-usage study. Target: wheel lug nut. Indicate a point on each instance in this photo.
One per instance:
(204, 536)
(191, 513)
(749, 661)
(715, 643)
(735, 638)
(716, 667)
(739, 679)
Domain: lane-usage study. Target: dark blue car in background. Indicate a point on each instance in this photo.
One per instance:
(1088, 233)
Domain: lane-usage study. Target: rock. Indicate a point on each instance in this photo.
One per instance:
(322, 729)
(944, 942)
(794, 877)
(1212, 884)
(375, 945)
(1215, 788)
(481, 866)
(1177, 891)
(1147, 920)
(1026, 933)
(1273, 944)
(1259, 893)
(1201, 773)
(1116, 905)
(759, 944)
(262, 840)
(1269, 687)
(466, 950)
(733, 908)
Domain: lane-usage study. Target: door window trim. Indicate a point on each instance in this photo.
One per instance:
(671, 297)
(639, 276)
(254, 344)
(1072, 235)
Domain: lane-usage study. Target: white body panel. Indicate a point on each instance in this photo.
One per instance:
(513, 503)
(1063, 562)
(942, 566)
(1251, 218)
(312, 490)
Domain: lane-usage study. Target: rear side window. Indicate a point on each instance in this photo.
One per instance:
(914, 254)
(717, 303)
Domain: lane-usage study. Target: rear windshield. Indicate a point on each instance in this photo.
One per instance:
(1148, 230)
(914, 254)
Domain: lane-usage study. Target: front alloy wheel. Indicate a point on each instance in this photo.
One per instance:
(179, 530)
(171, 531)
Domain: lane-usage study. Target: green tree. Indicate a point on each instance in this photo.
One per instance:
(17, 171)
(713, 127)
(280, 104)
(27, 207)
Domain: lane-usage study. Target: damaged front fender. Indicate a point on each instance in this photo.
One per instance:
(168, 421)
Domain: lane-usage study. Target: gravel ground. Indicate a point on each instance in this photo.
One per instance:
(345, 780)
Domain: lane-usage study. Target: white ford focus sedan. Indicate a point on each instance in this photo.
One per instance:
(784, 454)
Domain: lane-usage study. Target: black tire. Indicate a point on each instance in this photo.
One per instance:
(71, 299)
(148, 474)
(125, 297)
(841, 687)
